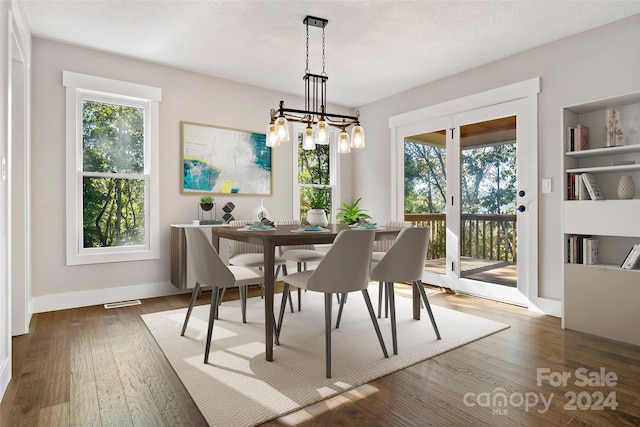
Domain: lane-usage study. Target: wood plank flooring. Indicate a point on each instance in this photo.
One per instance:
(96, 367)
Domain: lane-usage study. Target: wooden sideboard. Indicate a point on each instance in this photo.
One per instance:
(179, 273)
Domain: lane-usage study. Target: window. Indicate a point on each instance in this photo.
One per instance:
(112, 178)
(314, 170)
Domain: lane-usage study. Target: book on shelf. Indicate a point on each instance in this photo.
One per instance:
(583, 193)
(632, 261)
(592, 186)
(581, 138)
(577, 249)
(571, 142)
(577, 138)
(591, 251)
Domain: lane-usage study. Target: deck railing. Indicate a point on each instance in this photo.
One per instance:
(484, 236)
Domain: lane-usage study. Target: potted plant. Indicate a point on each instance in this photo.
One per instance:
(206, 203)
(351, 213)
(317, 215)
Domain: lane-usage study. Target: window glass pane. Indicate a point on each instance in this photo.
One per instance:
(313, 165)
(112, 138)
(113, 212)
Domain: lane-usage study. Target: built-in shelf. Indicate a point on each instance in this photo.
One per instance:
(601, 169)
(607, 151)
(603, 299)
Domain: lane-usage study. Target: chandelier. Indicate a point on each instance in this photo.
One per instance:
(314, 115)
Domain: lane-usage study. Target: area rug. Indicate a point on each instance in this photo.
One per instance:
(240, 388)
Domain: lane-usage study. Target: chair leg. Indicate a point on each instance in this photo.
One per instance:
(283, 306)
(342, 301)
(291, 302)
(327, 332)
(426, 304)
(386, 303)
(392, 308)
(372, 314)
(243, 302)
(381, 290)
(212, 316)
(301, 266)
(275, 334)
(194, 297)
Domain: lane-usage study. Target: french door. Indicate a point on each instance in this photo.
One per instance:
(477, 190)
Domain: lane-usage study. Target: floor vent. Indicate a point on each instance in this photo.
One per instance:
(122, 304)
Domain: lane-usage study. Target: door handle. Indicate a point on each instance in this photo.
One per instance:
(521, 208)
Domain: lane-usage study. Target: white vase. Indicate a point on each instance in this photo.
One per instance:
(317, 217)
(260, 212)
(626, 189)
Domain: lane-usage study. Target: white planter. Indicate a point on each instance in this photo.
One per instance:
(317, 217)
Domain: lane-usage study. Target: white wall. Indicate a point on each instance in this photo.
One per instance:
(185, 96)
(595, 64)
(5, 294)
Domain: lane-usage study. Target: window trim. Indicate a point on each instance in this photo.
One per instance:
(334, 175)
(79, 87)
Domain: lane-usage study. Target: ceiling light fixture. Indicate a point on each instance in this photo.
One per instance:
(317, 119)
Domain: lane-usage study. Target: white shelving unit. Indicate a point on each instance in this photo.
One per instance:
(603, 299)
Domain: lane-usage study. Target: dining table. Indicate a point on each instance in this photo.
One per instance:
(281, 235)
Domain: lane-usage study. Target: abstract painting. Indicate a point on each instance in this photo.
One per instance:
(224, 161)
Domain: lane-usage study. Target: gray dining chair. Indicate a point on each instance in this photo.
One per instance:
(404, 262)
(246, 254)
(380, 248)
(344, 268)
(301, 255)
(209, 270)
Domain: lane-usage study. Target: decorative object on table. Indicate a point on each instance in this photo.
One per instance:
(612, 131)
(365, 223)
(207, 205)
(260, 212)
(228, 208)
(351, 213)
(317, 215)
(626, 189)
(224, 161)
(315, 115)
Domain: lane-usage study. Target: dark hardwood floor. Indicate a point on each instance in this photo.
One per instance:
(91, 366)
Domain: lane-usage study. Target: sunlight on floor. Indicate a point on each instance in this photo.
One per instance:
(311, 411)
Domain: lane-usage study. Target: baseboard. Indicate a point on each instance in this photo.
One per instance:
(5, 376)
(68, 300)
(550, 307)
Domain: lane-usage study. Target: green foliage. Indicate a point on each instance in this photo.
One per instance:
(349, 213)
(488, 178)
(206, 200)
(113, 143)
(318, 199)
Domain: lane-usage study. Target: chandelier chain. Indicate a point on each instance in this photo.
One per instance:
(307, 69)
(323, 72)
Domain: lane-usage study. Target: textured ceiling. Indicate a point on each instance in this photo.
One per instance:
(373, 48)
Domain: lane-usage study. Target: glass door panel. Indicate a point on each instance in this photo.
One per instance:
(425, 195)
(488, 201)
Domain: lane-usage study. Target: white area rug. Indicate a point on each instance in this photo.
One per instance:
(240, 388)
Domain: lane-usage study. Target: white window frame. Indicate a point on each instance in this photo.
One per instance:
(334, 168)
(78, 88)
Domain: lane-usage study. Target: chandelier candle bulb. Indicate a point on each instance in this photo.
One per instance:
(307, 142)
(357, 137)
(343, 144)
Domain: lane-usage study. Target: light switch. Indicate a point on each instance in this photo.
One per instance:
(546, 185)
